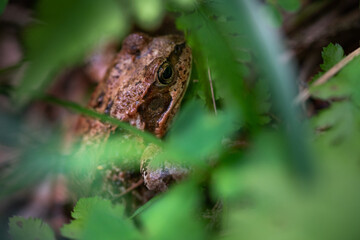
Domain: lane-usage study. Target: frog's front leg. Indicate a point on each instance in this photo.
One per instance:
(159, 176)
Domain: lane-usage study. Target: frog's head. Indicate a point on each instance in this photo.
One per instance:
(168, 76)
(146, 82)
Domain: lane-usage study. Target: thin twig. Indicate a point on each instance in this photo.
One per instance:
(212, 91)
(135, 185)
(305, 94)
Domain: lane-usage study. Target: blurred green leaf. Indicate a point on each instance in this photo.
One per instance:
(338, 126)
(185, 5)
(34, 161)
(260, 194)
(267, 46)
(197, 134)
(145, 206)
(290, 5)
(273, 15)
(66, 32)
(217, 21)
(103, 117)
(88, 164)
(29, 228)
(217, 56)
(3, 4)
(337, 130)
(174, 215)
(331, 55)
(148, 12)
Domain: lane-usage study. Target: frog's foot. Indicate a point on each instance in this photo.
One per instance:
(160, 177)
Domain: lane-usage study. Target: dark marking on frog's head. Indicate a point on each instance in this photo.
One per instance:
(134, 43)
(108, 107)
(99, 100)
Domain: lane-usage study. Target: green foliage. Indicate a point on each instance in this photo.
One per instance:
(342, 85)
(260, 194)
(289, 5)
(201, 146)
(33, 229)
(3, 4)
(67, 31)
(331, 55)
(175, 215)
(270, 189)
(149, 12)
(38, 159)
(273, 14)
(274, 8)
(89, 212)
(338, 125)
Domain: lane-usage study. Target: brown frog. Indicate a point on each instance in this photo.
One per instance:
(144, 86)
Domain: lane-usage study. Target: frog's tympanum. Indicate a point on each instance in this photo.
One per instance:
(144, 87)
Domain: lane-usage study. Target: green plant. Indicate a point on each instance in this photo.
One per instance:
(293, 180)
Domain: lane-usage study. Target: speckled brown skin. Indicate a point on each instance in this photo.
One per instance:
(131, 90)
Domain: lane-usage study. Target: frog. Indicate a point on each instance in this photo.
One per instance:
(144, 86)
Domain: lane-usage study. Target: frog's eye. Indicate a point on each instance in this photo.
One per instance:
(165, 73)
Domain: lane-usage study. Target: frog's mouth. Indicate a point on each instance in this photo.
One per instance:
(153, 110)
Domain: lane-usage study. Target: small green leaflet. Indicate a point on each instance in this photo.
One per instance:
(3, 4)
(29, 229)
(290, 5)
(331, 55)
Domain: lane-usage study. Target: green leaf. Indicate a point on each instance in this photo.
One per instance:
(149, 13)
(107, 222)
(266, 45)
(65, 32)
(196, 134)
(342, 123)
(263, 201)
(90, 212)
(218, 57)
(174, 215)
(273, 15)
(143, 208)
(3, 4)
(81, 212)
(103, 117)
(29, 229)
(185, 5)
(290, 5)
(331, 55)
(345, 84)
